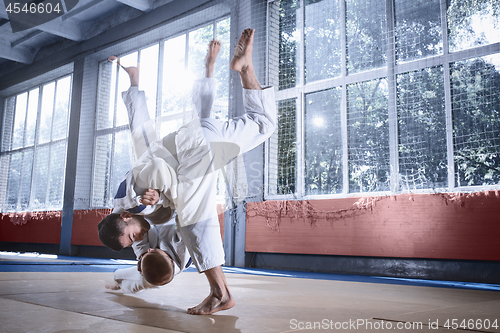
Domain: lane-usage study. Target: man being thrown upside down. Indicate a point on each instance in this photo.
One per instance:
(178, 173)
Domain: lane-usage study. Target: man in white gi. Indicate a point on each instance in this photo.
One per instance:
(181, 169)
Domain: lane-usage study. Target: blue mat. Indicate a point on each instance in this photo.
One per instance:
(13, 262)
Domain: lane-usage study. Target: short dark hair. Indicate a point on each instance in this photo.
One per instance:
(157, 269)
(110, 229)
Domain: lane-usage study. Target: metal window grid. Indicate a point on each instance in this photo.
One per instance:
(390, 71)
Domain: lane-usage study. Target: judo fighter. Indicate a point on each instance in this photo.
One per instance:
(178, 172)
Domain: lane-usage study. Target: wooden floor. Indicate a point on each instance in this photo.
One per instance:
(44, 294)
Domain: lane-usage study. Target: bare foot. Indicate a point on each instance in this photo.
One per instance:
(115, 286)
(213, 51)
(132, 71)
(242, 58)
(212, 304)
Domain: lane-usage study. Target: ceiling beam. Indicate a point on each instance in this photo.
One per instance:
(3, 13)
(142, 5)
(21, 40)
(62, 29)
(18, 54)
(107, 38)
(81, 9)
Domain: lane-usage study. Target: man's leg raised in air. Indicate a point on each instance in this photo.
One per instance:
(204, 89)
(242, 61)
(258, 122)
(213, 51)
(141, 126)
(133, 72)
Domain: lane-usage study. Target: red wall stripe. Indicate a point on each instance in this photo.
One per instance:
(45, 227)
(84, 231)
(85, 223)
(31, 227)
(440, 226)
(407, 226)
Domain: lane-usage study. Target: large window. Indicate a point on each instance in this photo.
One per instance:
(167, 71)
(34, 144)
(385, 97)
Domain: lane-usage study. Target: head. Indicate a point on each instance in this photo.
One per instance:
(157, 267)
(117, 231)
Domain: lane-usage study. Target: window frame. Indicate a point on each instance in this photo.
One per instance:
(390, 71)
(39, 84)
(159, 117)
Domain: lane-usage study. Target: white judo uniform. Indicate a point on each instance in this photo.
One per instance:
(183, 165)
(164, 237)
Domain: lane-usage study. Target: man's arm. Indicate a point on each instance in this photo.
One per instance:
(142, 246)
